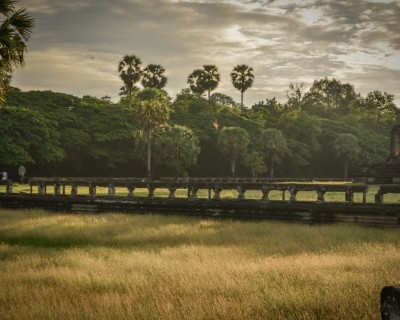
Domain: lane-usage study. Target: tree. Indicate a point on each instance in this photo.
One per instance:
(151, 111)
(223, 99)
(206, 79)
(328, 96)
(15, 31)
(233, 142)
(178, 148)
(153, 77)
(295, 97)
(242, 78)
(347, 148)
(275, 146)
(255, 162)
(130, 73)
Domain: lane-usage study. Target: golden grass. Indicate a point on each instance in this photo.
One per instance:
(114, 266)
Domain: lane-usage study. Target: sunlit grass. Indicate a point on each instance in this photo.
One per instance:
(115, 266)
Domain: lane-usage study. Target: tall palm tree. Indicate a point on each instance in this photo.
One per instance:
(153, 77)
(15, 31)
(130, 73)
(242, 78)
(206, 79)
(211, 78)
(151, 111)
(275, 146)
(195, 82)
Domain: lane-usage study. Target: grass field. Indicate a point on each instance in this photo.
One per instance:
(115, 266)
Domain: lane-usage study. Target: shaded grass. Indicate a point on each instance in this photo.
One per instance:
(115, 266)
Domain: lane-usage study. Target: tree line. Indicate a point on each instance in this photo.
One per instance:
(317, 133)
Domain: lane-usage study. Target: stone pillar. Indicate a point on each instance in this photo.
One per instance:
(130, 191)
(57, 189)
(379, 197)
(193, 192)
(151, 191)
(390, 303)
(217, 192)
(74, 189)
(92, 189)
(293, 193)
(171, 192)
(111, 190)
(41, 188)
(349, 196)
(241, 191)
(320, 195)
(9, 186)
(265, 191)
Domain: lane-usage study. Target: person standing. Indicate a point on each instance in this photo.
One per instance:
(22, 172)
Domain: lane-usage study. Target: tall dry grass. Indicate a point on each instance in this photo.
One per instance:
(114, 266)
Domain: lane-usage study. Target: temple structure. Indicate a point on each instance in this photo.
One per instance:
(389, 172)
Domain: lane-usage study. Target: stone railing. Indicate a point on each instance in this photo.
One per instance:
(214, 187)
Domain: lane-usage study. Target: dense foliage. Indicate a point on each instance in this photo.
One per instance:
(328, 131)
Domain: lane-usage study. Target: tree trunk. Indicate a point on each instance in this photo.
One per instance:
(233, 165)
(241, 100)
(209, 92)
(149, 155)
(346, 165)
(272, 170)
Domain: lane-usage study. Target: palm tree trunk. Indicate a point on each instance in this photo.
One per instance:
(272, 169)
(233, 166)
(149, 155)
(241, 99)
(209, 92)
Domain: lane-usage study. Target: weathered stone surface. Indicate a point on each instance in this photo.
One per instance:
(390, 303)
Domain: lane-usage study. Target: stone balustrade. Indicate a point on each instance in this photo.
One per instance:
(192, 187)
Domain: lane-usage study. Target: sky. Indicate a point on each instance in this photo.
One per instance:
(76, 45)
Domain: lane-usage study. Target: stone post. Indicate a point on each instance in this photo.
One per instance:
(57, 189)
(111, 190)
(9, 186)
(241, 191)
(217, 191)
(193, 192)
(171, 192)
(320, 194)
(265, 191)
(41, 188)
(390, 303)
(293, 193)
(130, 191)
(92, 189)
(151, 191)
(74, 189)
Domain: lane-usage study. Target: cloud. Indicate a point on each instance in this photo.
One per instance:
(283, 40)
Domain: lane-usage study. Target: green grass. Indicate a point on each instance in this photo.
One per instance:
(115, 266)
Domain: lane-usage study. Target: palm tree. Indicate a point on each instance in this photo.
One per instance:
(151, 111)
(242, 78)
(15, 31)
(211, 78)
(347, 148)
(233, 142)
(153, 77)
(206, 79)
(130, 73)
(195, 82)
(275, 146)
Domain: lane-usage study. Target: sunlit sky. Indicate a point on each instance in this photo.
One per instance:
(77, 44)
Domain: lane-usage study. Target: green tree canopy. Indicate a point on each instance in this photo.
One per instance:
(177, 148)
(347, 148)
